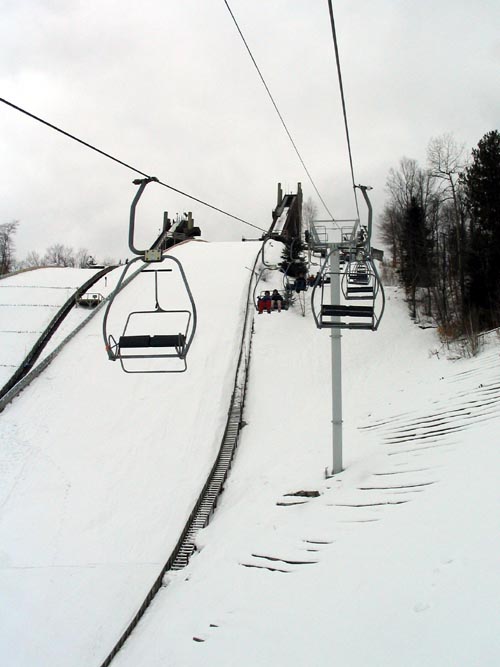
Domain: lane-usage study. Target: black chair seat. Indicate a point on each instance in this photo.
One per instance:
(134, 341)
(346, 311)
(360, 290)
(176, 340)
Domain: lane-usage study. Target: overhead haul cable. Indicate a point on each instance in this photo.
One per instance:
(341, 86)
(276, 108)
(128, 166)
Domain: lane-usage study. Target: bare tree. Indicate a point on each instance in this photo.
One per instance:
(59, 255)
(32, 260)
(402, 183)
(446, 161)
(83, 258)
(446, 157)
(442, 227)
(309, 213)
(7, 231)
(408, 184)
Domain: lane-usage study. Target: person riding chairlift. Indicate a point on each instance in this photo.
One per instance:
(276, 300)
(264, 302)
(300, 283)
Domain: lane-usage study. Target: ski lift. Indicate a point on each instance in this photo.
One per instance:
(285, 299)
(151, 334)
(267, 265)
(295, 292)
(333, 313)
(358, 273)
(358, 280)
(90, 299)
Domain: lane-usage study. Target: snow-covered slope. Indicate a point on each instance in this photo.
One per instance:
(28, 302)
(395, 562)
(392, 562)
(100, 469)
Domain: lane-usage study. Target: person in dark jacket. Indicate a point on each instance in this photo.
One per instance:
(300, 283)
(264, 302)
(276, 300)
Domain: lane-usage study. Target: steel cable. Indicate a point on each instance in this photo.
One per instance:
(128, 166)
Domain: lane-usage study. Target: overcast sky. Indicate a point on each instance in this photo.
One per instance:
(168, 87)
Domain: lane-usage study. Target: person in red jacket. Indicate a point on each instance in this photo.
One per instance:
(264, 302)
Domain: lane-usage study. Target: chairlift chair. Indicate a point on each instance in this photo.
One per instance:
(90, 299)
(293, 295)
(283, 293)
(141, 339)
(267, 265)
(339, 315)
(358, 280)
(358, 273)
(138, 342)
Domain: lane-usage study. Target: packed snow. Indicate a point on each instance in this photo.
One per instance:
(100, 468)
(28, 302)
(392, 562)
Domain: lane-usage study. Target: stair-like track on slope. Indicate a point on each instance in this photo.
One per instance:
(37, 349)
(207, 499)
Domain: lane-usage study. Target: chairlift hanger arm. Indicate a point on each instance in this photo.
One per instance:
(141, 182)
(364, 189)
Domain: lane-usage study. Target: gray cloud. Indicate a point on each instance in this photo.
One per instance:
(169, 88)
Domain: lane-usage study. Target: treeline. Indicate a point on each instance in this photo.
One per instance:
(55, 255)
(442, 227)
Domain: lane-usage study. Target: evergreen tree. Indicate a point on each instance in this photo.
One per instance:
(482, 191)
(293, 258)
(415, 252)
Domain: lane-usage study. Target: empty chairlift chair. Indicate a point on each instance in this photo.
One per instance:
(334, 313)
(154, 340)
(358, 281)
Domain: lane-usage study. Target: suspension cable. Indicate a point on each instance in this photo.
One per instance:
(341, 86)
(128, 166)
(277, 110)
